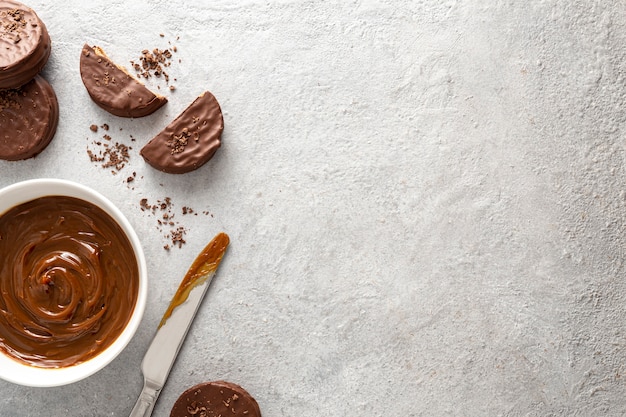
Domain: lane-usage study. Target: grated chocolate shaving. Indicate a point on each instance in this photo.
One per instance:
(171, 229)
(9, 99)
(179, 142)
(152, 63)
(14, 27)
(108, 154)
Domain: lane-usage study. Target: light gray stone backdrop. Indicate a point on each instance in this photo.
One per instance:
(426, 202)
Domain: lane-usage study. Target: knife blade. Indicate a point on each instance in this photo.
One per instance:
(161, 354)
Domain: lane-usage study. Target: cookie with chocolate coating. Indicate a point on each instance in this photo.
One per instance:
(111, 87)
(214, 399)
(190, 140)
(24, 44)
(28, 119)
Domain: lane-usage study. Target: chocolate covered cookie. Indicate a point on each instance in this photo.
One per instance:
(215, 399)
(111, 87)
(190, 140)
(24, 44)
(28, 119)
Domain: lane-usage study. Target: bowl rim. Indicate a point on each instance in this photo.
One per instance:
(16, 372)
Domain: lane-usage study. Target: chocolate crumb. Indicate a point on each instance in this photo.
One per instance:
(115, 156)
(176, 232)
(177, 236)
(108, 153)
(152, 63)
(9, 99)
(177, 143)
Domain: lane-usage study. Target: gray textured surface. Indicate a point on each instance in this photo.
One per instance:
(425, 200)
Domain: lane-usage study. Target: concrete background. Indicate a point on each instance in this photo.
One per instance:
(425, 200)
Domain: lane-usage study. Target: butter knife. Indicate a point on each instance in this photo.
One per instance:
(161, 354)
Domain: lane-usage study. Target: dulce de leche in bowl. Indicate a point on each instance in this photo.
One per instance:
(72, 282)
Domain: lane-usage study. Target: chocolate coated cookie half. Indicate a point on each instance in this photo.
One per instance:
(190, 140)
(28, 119)
(214, 399)
(24, 44)
(111, 87)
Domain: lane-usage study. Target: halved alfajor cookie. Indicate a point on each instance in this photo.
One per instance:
(190, 140)
(219, 398)
(28, 119)
(24, 44)
(111, 87)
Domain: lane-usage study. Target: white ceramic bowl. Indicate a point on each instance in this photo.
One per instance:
(19, 373)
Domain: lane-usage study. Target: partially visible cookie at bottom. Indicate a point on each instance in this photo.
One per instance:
(29, 116)
(216, 398)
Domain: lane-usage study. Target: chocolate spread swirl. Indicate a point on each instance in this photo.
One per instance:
(68, 281)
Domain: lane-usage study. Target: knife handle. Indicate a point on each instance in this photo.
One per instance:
(145, 403)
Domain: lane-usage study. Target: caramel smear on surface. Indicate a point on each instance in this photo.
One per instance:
(203, 266)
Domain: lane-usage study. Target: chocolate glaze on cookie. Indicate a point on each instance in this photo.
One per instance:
(190, 140)
(24, 44)
(111, 87)
(28, 119)
(214, 399)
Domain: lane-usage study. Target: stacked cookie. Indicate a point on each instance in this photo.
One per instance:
(29, 111)
(217, 398)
